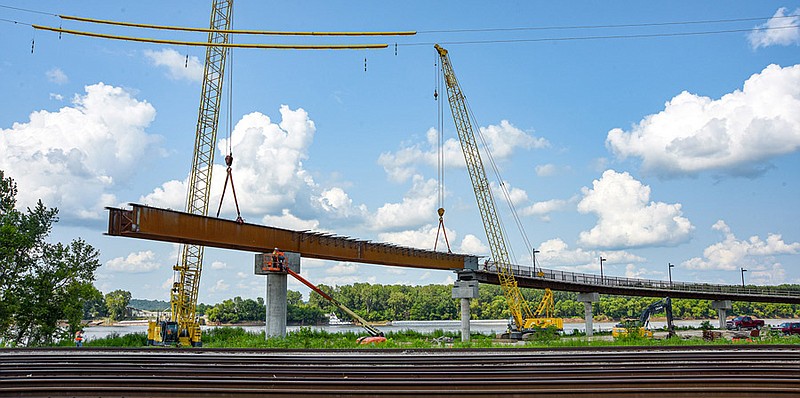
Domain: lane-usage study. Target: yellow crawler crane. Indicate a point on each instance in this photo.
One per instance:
(183, 327)
(523, 318)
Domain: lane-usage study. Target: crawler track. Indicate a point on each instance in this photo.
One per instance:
(729, 371)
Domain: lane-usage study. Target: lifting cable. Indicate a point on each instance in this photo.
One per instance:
(440, 155)
(229, 146)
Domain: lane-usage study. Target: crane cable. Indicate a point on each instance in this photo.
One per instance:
(228, 145)
(440, 159)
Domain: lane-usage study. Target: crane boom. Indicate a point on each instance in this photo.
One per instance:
(520, 311)
(186, 283)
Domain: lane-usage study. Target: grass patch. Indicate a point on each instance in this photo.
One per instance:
(308, 338)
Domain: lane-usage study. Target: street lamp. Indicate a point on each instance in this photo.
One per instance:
(533, 255)
(601, 268)
(743, 271)
(671, 266)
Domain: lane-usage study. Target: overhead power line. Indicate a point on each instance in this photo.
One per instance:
(601, 37)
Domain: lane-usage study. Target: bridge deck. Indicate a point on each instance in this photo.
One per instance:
(587, 283)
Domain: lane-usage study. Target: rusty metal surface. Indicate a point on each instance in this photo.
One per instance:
(150, 223)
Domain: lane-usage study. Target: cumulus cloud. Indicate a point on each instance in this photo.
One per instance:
(555, 253)
(471, 244)
(220, 287)
(736, 134)
(289, 221)
(179, 67)
(57, 76)
(144, 261)
(731, 253)
(501, 141)
(780, 30)
(417, 207)
(543, 209)
(342, 268)
(545, 170)
(74, 158)
(626, 216)
(219, 265)
(421, 238)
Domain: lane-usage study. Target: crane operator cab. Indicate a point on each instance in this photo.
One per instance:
(162, 333)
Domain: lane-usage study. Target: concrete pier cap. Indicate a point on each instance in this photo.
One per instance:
(722, 307)
(465, 290)
(275, 291)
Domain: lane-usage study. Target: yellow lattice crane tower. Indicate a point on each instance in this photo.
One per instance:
(524, 319)
(183, 326)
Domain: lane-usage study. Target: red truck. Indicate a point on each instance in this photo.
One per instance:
(744, 322)
(790, 328)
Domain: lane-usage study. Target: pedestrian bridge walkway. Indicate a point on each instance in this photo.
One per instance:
(587, 283)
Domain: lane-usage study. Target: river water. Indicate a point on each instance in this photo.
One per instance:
(489, 327)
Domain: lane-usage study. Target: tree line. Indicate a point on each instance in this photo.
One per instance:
(375, 302)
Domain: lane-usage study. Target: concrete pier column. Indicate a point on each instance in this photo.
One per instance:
(275, 292)
(275, 300)
(465, 290)
(722, 306)
(588, 299)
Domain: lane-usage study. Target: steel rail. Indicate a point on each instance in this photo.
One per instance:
(741, 371)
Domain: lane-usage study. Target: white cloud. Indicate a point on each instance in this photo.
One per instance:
(471, 244)
(57, 76)
(135, 263)
(422, 238)
(57, 97)
(545, 170)
(73, 158)
(501, 140)
(627, 217)
(179, 66)
(417, 207)
(219, 287)
(289, 221)
(731, 253)
(736, 134)
(555, 253)
(779, 30)
(342, 268)
(219, 265)
(543, 209)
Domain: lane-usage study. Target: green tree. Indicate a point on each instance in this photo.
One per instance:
(41, 283)
(116, 302)
(95, 305)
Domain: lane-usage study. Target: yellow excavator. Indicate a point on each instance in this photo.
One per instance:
(523, 320)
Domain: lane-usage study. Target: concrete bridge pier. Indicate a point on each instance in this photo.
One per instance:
(722, 306)
(275, 292)
(588, 299)
(465, 290)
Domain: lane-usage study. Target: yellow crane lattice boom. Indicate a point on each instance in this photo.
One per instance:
(491, 222)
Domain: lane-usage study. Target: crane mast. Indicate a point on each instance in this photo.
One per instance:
(183, 298)
(520, 311)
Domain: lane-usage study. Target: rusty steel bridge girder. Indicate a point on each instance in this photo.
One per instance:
(150, 223)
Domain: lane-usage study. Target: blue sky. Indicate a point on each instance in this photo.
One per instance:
(671, 147)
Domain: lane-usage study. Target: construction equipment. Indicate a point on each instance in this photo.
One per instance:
(543, 317)
(277, 263)
(524, 320)
(640, 327)
(183, 297)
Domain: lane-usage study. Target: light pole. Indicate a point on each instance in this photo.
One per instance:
(533, 255)
(743, 271)
(671, 266)
(601, 268)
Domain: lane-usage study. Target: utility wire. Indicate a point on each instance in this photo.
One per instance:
(633, 25)
(604, 37)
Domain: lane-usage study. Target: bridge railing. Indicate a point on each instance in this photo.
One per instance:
(616, 281)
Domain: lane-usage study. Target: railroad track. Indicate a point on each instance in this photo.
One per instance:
(730, 371)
